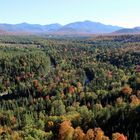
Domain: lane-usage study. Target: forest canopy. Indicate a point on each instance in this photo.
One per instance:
(70, 88)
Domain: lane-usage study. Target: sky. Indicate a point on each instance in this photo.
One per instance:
(125, 13)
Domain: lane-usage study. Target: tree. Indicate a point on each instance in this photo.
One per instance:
(118, 136)
(58, 108)
(90, 135)
(66, 131)
(127, 90)
(78, 134)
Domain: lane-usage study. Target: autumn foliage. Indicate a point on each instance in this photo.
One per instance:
(67, 132)
(69, 88)
(127, 90)
(118, 136)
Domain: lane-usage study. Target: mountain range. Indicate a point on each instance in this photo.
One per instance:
(85, 27)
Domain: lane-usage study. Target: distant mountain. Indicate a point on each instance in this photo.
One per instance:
(90, 27)
(135, 30)
(25, 27)
(52, 27)
(85, 27)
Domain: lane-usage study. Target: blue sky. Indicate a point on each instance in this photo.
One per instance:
(124, 13)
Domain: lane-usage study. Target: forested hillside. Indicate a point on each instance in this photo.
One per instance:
(70, 89)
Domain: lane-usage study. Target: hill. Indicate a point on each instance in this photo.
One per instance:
(135, 30)
(2, 32)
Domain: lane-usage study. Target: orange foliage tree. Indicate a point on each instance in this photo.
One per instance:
(66, 131)
(118, 136)
(127, 90)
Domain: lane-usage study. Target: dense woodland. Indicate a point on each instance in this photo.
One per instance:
(70, 88)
